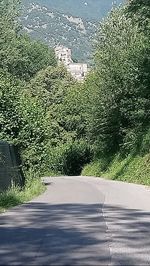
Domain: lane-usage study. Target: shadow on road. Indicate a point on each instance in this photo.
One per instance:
(45, 234)
(73, 234)
(129, 231)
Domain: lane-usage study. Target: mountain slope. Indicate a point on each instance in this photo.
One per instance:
(87, 9)
(66, 22)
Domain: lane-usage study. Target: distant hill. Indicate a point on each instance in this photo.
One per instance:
(72, 23)
(87, 9)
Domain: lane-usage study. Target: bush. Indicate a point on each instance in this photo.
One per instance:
(69, 158)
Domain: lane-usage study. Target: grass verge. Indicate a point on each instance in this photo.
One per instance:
(134, 169)
(15, 196)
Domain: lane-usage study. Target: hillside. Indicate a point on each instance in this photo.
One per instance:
(87, 9)
(54, 28)
(70, 23)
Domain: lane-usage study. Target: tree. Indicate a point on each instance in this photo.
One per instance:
(140, 10)
(8, 30)
(33, 57)
(19, 55)
(120, 97)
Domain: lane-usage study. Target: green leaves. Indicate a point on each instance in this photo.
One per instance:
(19, 55)
(56, 122)
(118, 88)
(41, 105)
(140, 10)
(33, 57)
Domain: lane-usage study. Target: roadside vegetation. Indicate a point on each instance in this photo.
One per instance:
(119, 120)
(16, 196)
(40, 109)
(60, 126)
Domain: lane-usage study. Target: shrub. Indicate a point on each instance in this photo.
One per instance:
(70, 158)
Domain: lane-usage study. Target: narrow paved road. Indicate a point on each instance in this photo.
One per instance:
(79, 221)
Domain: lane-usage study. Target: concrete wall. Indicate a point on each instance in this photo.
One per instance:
(10, 167)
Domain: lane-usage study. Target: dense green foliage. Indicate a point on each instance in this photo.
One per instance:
(39, 107)
(58, 124)
(119, 120)
(121, 94)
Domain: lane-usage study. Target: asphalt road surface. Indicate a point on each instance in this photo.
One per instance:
(79, 221)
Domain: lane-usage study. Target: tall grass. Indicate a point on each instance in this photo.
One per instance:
(134, 169)
(16, 196)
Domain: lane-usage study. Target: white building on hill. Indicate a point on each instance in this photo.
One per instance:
(63, 54)
(77, 70)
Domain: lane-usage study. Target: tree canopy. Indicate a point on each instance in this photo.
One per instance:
(58, 124)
